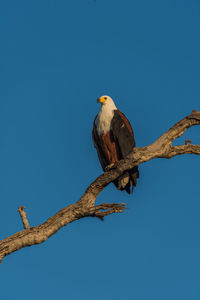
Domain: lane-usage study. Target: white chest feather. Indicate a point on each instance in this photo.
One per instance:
(104, 118)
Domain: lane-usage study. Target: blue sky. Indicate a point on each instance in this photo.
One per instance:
(56, 58)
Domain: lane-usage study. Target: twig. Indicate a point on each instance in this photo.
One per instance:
(23, 217)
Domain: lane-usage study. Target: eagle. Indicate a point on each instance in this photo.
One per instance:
(113, 139)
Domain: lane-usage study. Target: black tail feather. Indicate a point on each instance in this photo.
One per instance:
(127, 180)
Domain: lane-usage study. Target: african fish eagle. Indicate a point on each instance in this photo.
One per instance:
(114, 139)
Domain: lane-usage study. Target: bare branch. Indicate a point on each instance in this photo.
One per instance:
(106, 209)
(184, 149)
(85, 207)
(23, 217)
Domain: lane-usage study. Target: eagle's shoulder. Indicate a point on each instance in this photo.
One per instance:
(120, 120)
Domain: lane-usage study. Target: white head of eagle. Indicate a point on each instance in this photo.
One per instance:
(114, 139)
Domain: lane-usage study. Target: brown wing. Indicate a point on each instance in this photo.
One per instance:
(126, 121)
(122, 133)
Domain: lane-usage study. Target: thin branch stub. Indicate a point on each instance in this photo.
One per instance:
(23, 217)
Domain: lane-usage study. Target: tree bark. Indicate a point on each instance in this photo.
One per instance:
(85, 206)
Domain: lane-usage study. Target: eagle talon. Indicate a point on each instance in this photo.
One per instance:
(109, 167)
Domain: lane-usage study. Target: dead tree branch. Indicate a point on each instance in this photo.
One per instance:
(85, 207)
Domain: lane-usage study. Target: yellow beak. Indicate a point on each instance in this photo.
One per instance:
(101, 100)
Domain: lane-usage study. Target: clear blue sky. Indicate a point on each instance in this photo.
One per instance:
(56, 58)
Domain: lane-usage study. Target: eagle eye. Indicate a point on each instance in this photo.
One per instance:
(105, 98)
